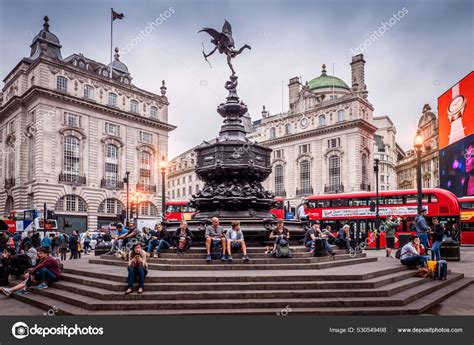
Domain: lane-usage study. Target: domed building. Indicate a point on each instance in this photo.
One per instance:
(71, 129)
(325, 142)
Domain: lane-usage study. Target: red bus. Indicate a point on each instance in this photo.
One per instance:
(179, 210)
(467, 220)
(354, 209)
(278, 211)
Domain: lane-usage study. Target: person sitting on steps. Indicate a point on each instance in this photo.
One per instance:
(312, 235)
(182, 238)
(137, 268)
(410, 253)
(160, 239)
(215, 234)
(343, 238)
(279, 233)
(235, 241)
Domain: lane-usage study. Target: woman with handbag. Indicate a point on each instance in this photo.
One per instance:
(182, 238)
(137, 268)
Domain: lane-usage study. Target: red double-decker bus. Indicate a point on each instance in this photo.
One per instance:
(467, 220)
(354, 209)
(179, 210)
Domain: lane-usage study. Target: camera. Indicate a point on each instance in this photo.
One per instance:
(21, 331)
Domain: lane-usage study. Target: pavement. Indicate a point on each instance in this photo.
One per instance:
(454, 305)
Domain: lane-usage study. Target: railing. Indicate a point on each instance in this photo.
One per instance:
(71, 178)
(337, 188)
(304, 191)
(146, 188)
(9, 182)
(110, 184)
(365, 187)
(280, 193)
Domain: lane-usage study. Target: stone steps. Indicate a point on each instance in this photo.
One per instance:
(112, 285)
(278, 264)
(398, 299)
(253, 256)
(250, 250)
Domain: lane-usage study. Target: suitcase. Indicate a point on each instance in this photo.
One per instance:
(441, 271)
(320, 247)
(450, 250)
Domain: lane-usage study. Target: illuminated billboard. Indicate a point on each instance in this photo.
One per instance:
(456, 164)
(456, 112)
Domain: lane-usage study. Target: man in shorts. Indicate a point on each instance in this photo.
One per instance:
(235, 241)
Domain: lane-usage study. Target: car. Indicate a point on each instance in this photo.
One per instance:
(94, 235)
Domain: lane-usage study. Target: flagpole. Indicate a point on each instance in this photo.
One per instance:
(111, 38)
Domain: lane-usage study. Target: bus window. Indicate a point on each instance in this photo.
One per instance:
(467, 205)
(393, 200)
(358, 202)
(433, 198)
(339, 202)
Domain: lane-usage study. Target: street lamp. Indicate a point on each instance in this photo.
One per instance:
(126, 180)
(163, 166)
(418, 147)
(377, 215)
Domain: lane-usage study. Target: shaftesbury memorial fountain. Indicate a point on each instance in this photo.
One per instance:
(233, 168)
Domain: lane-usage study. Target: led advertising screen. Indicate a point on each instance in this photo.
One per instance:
(456, 163)
(456, 112)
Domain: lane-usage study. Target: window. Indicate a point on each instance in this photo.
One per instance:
(154, 112)
(190, 190)
(111, 164)
(278, 154)
(11, 127)
(334, 172)
(279, 180)
(146, 137)
(305, 176)
(112, 100)
(72, 120)
(172, 194)
(61, 84)
(31, 157)
(134, 106)
(334, 142)
(184, 191)
(177, 193)
(111, 206)
(365, 163)
(11, 161)
(288, 128)
(184, 180)
(145, 168)
(88, 92)
(322, 120)
(112, 129)
(71, 159)
(196, 188)
(190, 178)
(272, 132)
(306, 148)
(71, 203)
(341, 115)
(148, 209)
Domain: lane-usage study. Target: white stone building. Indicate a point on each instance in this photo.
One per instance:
(69, 131)
(406, 167)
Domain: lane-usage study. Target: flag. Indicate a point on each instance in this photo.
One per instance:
(116, 15)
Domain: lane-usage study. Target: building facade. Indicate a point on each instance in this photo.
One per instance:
(71, 128)
(406, 167)
(325, 143)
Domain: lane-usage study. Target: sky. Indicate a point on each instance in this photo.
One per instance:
(424, 50)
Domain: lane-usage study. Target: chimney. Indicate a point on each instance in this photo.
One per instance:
(293, 89)
(358, 74)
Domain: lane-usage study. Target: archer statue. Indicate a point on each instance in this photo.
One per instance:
(225, 43)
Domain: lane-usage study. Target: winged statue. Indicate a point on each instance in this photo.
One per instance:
(224, 43)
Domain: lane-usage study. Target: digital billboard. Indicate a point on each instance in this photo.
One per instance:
(456, 112)
(456, 164)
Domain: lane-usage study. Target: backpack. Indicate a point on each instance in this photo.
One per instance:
(216, 250)
(283, 250)
(320, 247)
(398, 253)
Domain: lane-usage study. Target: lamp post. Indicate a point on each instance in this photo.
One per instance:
(418, 148)
(377, 215)
(163, 166)
(126, 180)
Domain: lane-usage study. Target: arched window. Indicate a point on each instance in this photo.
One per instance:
(111, 206)
(9, 205)
(88, 92)
(148, 209)
(111, 164)
(145, 168)
(71, 160)
(305, 177)
(71, 203)
(288, 128)
(11, 161)
(134, 106)
(154, 112)
(272, 132)
(279, 180)
(61, 83)
(321, 120)
(334, 173)
(112, 100)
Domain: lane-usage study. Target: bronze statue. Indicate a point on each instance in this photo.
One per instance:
(225, 43)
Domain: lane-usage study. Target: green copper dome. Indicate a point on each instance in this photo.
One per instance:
(326, 81)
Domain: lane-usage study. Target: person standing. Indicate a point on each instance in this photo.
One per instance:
(63, 244)
(437, 236)
(73, 240)
(391, 226)
(422, 228)
(87, 242)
